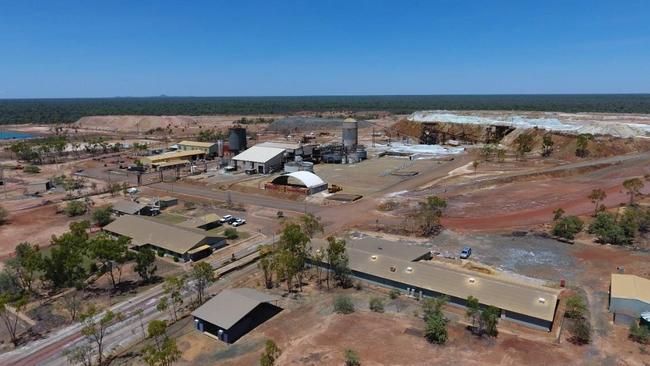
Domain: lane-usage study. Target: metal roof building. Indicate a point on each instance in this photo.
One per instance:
(209, 148)
(260, 159)
(309, 180)
(174, 156)
(292, 148)
(205, 222)
(174, 240)
(629, 297)
(124, 207)
(396, 265)
(235, 312)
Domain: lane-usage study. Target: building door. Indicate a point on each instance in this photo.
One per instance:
(260, 169)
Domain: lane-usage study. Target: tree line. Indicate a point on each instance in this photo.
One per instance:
(49, 111)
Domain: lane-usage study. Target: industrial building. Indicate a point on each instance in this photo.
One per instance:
(235, 312)
(402, 266)
(629, 297)
(299, 182)
(292, 149)
(175, 158)
(125, 207)
(183, 243)
(260, 159)
(208, 148)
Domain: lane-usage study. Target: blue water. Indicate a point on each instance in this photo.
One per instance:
(8, 135)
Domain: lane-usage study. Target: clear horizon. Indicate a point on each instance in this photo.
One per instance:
(122, 49)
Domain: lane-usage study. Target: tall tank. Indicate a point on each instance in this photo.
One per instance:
(350, 134)
(220, 148)
(237, 139)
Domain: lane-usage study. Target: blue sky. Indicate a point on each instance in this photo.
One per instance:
(240, 48)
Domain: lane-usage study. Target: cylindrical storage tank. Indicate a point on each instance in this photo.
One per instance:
(220, 148)
(350, 134)
(307, 166)
(237, 139)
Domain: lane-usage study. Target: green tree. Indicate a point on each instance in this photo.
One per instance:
(4, 214)
(575, 307)
(267, 265)
(489, 320)
(376, 304)
(607, 230)
(311, 225)
(435, 330)
(343, 305)
(547, 145)
(557, 213)
(433, 306)
(111, 253)
(337, 262)
(524, 144)
(567, 227)
(473, 311)
(31, 169)
(202, 276)
(351, 358)
(597, 196)
(582, 145)
(292, 254)
(95, 328)
(633, 187)
(270, 354)
(64, 266)
(26, 265)
(102, 216)
(9, 319)
(163, 351)
(75, 208)
(475, 165)
(173, 287)
(145, 264)
(428, 215)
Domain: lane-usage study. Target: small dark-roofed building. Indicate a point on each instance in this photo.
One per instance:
(125, 207)
(36, 188)
(235, 312)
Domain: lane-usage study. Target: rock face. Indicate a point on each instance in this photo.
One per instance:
(623, 126)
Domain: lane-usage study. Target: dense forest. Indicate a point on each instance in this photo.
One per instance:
(70, 110)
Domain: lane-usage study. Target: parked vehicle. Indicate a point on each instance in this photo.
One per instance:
(465, 253)
(226, 219)
(239, 222)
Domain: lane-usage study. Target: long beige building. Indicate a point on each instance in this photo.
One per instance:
(405, 267)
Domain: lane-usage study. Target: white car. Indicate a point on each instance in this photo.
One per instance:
(226, 218)
(239, 222)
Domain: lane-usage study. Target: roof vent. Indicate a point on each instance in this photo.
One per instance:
(541, 300)
(409, 269)
(471, 280)
(393, 269)
(373, 257)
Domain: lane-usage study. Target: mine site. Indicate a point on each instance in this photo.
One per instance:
(324, 183)
(402, 239)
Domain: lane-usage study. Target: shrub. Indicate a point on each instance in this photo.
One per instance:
(343, 305)
(231, 234)
(176, 259)
(351, 358)
(607, 229)
(280, 214)
(75, 208)
(358, 286)
(189, 205)
(376, 305)
(567, 227)
(640, 333)
(580, 331)
(102, 216)
(394, 294)
(436, 329)
(387, 206)
(32, 169)
(3, 215)
(575, 307)
(160, 253)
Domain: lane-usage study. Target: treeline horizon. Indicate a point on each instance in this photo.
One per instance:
(67, 110)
